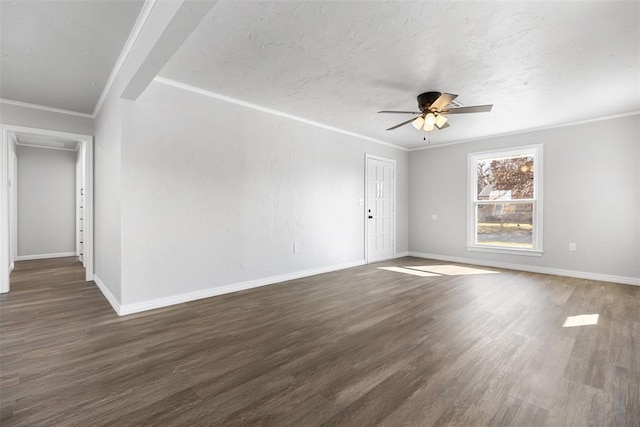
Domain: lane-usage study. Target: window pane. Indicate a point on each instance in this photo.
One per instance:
(505, 178)
(505, 224)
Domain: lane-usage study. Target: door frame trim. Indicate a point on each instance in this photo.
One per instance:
(86, 148)
(368, 156)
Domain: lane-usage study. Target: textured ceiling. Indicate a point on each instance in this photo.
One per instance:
(338, 63)
(60, 53)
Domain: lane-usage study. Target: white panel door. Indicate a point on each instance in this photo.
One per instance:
(380, 209)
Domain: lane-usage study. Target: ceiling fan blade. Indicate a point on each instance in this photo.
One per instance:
(444, 126)
(442, 101)
(402, 124)
(399, 112)
(470, 109)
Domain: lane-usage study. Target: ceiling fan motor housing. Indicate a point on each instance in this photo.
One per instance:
(426, 99)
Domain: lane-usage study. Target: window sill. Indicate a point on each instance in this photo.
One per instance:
(504, 250)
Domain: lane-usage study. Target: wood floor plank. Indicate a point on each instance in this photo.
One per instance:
(623, 397)
(463, 345)
(578, 404)
(515, 412)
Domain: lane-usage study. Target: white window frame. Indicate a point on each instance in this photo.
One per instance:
(472, 200)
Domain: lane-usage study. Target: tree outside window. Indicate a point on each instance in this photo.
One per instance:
(504, 203)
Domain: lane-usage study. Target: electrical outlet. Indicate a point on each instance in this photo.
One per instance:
(572, 247)
(296, 247)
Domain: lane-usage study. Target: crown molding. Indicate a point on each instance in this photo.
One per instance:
(236, 101)
(45, 108)
(536, 129)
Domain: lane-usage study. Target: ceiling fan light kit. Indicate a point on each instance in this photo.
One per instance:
(418, 122)
(440, 120)
(433, 106)
(430, 119)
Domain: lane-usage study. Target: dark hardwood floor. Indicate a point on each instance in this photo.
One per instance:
(441, 345)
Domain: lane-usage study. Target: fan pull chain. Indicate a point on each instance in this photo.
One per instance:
(424, 138)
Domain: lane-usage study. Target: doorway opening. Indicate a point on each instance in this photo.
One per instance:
(24, 151)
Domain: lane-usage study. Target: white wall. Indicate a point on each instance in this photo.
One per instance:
(107, 154)
(107, 210)
(591, 197)
(42, 119)
(215, 194)
(46, 201)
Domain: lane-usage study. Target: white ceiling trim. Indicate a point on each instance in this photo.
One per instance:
(225, 98)
(45, 108)
(133, 36)
(519, 132)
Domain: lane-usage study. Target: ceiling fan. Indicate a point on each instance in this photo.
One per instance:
(433, 107)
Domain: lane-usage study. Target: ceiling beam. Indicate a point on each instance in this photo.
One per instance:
(185, 20)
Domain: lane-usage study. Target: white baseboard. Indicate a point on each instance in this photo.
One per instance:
(220, 290)
(45, 256)
(402, 254)
(533, 269)
(12, 266)
(107, 294)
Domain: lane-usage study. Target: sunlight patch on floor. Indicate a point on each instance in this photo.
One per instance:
(438, 270)
(452, 270)
(581, 320)
(409, 271)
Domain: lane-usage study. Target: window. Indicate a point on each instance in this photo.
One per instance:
(505, 201)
